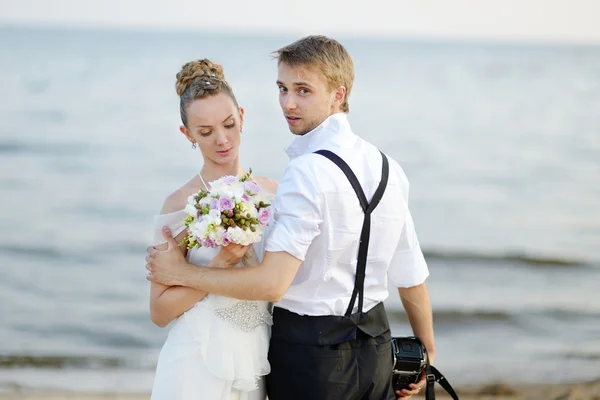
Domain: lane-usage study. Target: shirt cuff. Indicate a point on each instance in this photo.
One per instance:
(408, 269)
(292, 235)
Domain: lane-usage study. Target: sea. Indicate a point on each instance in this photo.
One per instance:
(500, 142)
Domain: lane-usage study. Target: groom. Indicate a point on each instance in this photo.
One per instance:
(329, 254)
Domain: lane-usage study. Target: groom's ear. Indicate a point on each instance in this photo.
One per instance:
(339, 95)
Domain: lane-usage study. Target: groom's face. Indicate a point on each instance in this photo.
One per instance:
(305, 98)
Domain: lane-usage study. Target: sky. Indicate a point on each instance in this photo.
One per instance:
(500, 20)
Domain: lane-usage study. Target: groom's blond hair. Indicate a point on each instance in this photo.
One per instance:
(327, 55)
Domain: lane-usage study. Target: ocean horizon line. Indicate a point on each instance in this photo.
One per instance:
(408, 39)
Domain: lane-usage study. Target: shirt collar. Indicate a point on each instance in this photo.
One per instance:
(334, 131)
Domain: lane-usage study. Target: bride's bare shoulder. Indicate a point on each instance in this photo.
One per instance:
(269, 185)
(178, 199)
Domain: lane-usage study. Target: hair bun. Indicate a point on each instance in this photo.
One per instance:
(194, 70)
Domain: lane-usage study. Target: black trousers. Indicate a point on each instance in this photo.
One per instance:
(359, 369)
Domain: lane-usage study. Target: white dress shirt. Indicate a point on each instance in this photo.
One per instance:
(318, 219)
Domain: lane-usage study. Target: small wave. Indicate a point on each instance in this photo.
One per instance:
(37, 251)
(457, 316)
(88, 362)
(472, 316)
(573, 355)
(11, 147)
(45, 253)
(56, 149)
(503, 258)
(590, 356)
(89, 255)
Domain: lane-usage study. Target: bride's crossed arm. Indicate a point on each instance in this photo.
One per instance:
(169, 302)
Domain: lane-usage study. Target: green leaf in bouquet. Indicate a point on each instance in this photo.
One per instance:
(246, 176)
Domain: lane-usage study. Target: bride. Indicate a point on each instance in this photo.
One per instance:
(217, 346)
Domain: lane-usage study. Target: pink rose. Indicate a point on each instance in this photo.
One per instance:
(225, 238)
(263, 216)
(252, 187)
(230, 179)
(208, 242)
(225, 204)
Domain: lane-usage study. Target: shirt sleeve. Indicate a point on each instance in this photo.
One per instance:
(408, 267)
(297, 212)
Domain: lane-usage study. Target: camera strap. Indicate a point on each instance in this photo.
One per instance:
(367, 207)
(433, 376)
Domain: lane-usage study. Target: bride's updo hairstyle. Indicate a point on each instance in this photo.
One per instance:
(198, 80)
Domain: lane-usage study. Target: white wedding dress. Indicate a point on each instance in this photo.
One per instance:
(217, 350)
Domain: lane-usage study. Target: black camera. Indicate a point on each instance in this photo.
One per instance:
(410, 360)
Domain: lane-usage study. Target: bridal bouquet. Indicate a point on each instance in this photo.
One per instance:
(235, 210)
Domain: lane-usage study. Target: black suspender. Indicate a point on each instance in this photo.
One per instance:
(433, 375)
(363, 248)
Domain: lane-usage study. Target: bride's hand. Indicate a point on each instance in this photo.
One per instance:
(229, 255)
(250, 259)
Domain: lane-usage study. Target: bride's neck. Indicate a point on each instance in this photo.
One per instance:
(212, 171)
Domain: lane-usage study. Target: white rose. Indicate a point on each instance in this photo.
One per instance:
(217, 233)
(253, 211)
(200, 229)
(215, 186)
(213, 217)
(237, 191)
(251, 237)
(244, 208)
(191, 210)
(236, 234)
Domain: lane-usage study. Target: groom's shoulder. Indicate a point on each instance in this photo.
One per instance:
(309, 165)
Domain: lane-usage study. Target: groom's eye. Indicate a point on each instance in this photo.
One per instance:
(282, 89)
(304, 91)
